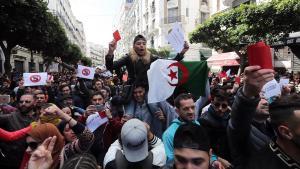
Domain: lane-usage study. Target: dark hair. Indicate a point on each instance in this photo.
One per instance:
(191, 136)
(182, 96)
(140, 84)
(96, 93)
(221, 94)
(282, 111)
(30, 94)
(81, 161)
(107, 89)
(96, 80)
(63, 86)
(139, 37)
(116, 101)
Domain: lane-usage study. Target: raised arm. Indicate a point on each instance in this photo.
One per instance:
(243, 111)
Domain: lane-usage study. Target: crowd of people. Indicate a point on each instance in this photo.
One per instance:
(232, 126)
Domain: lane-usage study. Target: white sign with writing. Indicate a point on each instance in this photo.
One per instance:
(176, 38)
(35, 79)
(85, 72)
(271, 89)
(284, 82)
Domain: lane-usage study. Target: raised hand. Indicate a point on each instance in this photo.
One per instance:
(255, 78)
(185, 48)
(112, 47)
(41, 158)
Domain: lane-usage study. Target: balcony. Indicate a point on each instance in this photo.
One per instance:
(236, 3)
(173, 19)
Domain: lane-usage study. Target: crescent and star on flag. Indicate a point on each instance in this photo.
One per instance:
(173, 74)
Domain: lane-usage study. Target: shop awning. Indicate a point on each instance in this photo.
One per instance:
(224, 59)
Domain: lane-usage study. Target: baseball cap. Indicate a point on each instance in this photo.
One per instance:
(134, 140)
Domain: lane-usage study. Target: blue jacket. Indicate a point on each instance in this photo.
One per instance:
(168, 138)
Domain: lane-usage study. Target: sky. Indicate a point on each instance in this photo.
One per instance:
(98, 18)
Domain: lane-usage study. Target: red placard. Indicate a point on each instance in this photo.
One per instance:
(260, 54)
(117, 36)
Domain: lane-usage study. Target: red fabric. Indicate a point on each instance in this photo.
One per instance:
(102, 114)
(222, 74)
(14, 135)
(112, 131)
(238, 80)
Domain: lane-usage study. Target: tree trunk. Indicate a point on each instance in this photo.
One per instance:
(7, 51)
(243, 61)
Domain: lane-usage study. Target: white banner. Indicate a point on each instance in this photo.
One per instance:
(85, 72)
(35, 79)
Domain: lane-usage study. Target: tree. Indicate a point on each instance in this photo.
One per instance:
(86, 61)
(22, 22)
(29, 24)
(72, 55)
(162, 52)
(233, 30)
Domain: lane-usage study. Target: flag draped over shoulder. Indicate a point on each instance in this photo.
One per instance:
(165, 75)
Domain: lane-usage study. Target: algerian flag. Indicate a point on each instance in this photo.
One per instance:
(165, 75)
(162, 78)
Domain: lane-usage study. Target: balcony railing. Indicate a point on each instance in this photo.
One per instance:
(173, 19)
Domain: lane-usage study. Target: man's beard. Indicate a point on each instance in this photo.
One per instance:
(296, 140)
(25, 110)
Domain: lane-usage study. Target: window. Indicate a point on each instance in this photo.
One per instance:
(187, 12)
(173, 15)
(41, 67)
(204, 16)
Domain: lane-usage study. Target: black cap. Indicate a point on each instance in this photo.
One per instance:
(191, 136)
(139, 37)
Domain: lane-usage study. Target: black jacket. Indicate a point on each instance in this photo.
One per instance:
(271, 156)
(215, 127)
(137, 71)
(245, 139)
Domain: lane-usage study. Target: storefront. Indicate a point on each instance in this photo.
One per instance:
(223, 62)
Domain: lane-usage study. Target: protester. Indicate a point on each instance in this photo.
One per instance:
(191, 148)
(132, 148)
(13, 151)
(246, 140)
(137, 61)
(158, 116)
(185, 107)
(215, 122)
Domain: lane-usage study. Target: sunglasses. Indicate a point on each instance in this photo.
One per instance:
(185, 161)
(24, 101)
(32, 145)
(223, 105)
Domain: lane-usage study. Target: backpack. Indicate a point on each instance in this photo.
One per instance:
(122, 163)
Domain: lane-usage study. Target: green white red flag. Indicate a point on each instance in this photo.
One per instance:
(165, 75)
